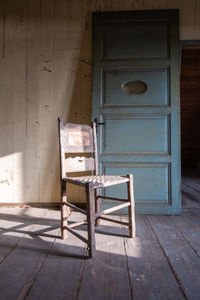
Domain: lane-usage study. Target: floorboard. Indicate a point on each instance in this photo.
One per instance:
(161, 263)
(60, 275)
(20, 268)
(150, 274)
(190, 187)
(12, 228)
(189, 226)
(106, 276)
(184, 261)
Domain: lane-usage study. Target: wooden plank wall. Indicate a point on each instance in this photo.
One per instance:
(190, 106)
(45, 72)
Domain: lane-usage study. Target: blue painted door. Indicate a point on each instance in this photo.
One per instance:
(136, 96)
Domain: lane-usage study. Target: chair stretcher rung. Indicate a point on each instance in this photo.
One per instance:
(109, 210)
(75, 207)
(76, 234)
(77, 224)
(114, 221)
(111, 198)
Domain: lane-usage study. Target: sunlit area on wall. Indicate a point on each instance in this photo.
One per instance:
(11, 178)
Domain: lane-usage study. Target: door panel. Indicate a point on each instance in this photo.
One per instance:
(156, 81)
(136, 96)
(147, 176)
(132, 39)
(138, 135)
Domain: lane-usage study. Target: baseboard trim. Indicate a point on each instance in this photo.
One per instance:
(35, 204)
(39, 204)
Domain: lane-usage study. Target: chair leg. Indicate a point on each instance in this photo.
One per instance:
(64, 210)
(131, 208)
(90, 219)
(97, 207)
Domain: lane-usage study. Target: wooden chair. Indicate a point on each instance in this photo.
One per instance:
(74, 138)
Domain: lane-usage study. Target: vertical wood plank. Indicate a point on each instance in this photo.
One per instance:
(31, 177)
(187, 19)
(75, 21)
(47, 147)
(6, 96)
(196, 20)
(19, 97)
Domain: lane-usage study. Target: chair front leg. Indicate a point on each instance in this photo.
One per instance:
(64, 210)
(97, 206)
(131, 208)
(90, 219)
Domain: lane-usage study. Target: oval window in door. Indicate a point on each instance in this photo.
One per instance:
(135, 87)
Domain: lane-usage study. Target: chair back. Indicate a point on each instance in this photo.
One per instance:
(76, 140)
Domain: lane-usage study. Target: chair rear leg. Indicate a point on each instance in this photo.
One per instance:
(64, 210)
(97, 207)
(131, 208)
(90, 219)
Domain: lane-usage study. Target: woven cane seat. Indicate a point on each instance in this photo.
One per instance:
(98, 180)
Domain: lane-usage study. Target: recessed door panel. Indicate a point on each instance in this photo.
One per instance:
(132, 39)
(151, 179)
(155, 91)
(136, 135)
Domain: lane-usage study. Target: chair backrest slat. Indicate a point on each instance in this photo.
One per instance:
(75, 138)
(79, 164)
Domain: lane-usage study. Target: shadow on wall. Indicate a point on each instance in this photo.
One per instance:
(45, 73)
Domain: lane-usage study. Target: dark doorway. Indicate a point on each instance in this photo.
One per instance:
(190, 124)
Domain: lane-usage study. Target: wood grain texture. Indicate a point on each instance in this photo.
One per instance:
(105, 276)
(161, 263)
(25, 260)
(185, 264)
(190, 106)
(79, 164)
(45, 72)
(146, 264)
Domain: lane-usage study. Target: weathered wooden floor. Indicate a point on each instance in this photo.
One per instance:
(162, 262)
(191, 188)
